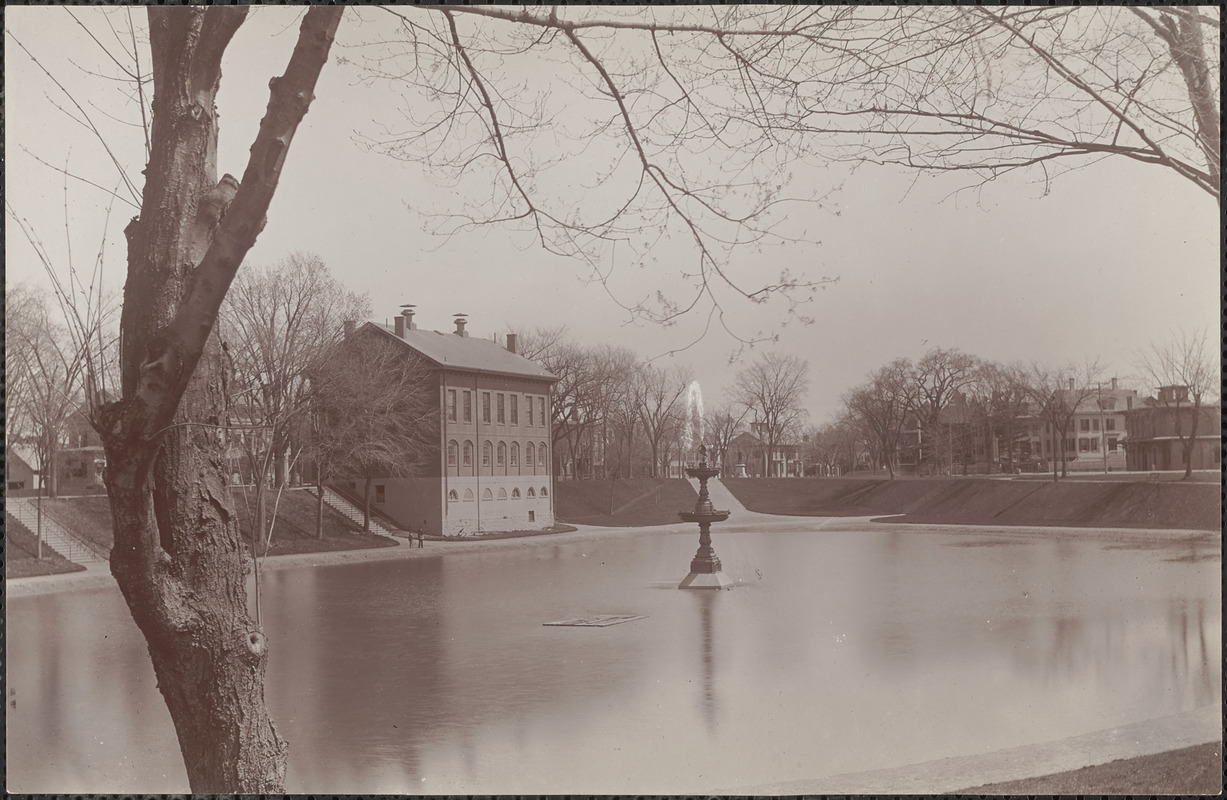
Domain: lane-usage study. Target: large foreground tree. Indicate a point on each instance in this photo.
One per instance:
(177, 555)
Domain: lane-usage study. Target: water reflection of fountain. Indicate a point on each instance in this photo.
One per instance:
(706, 643)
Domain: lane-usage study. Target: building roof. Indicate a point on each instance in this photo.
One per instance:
(451, 351)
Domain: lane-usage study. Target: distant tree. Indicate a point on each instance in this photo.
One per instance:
(773, 388)
(1183, 364)
(941, 376)
(722, 424)
(276, 323)
(883, 407)
(1058, 392)
(1002, 390)
(660, 402)
(373, 413)
(48, 368)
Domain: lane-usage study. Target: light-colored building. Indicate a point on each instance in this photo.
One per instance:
(494, 467)
(1095, 440)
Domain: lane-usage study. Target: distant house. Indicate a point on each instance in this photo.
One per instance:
(1095, 441)
(494, 466)
(750, 449)
(21, 479)
(1155, 427)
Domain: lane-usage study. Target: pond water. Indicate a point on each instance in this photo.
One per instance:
(839, 651)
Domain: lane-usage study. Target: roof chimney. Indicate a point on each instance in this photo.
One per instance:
(460, 323)
(511, 343)
(1114, 384)
(1071, 384)
(407, 312)
(398, 325)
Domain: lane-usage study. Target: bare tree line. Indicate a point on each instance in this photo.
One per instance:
(943, 410)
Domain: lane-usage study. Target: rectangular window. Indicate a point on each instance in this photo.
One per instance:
(1094, 424)
(1109, 424)
(541, 410)
(379, 496)
(468, 406)
(1111, 444)
(532, 516)
(502, 407)
(515, 409)
(1084, 424)
(485, 406)
(451, 405)
(1083, 445)
(1094, 445)
(528, 407)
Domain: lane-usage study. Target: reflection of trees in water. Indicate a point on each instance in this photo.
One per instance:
(85, 699)
(356, 681)
(1056, 614)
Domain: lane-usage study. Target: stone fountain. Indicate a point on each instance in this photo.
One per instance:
(705, 568)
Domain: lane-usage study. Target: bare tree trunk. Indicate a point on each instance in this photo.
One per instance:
(177, 556)
(366, 505)
(319, 503)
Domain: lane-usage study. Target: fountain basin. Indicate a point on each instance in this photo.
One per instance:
(704, 516)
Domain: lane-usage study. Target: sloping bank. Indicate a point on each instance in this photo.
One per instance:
(979, 501)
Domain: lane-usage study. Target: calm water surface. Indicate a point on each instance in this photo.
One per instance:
(838, 652)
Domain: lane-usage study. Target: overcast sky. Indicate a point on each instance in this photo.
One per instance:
(1113, 257)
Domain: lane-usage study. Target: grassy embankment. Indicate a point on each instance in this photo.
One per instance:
(980, 501)
(21, 553)
(624, 503)
(294, 531)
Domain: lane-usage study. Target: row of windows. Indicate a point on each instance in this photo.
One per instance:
(1084, 445)
(537, 452)
(1109, 424)
(505, 406)
(486, 494)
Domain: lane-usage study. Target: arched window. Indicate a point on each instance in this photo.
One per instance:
(515, 454)
(453, 450)
(502, 454)
(544, 493)
(468, 453)
(502, 494)
(486, 451)
(452, 497)
(486, 494)
(541, 454)
(530, 455)
(468, 495)
(515, 494)
(532, 492)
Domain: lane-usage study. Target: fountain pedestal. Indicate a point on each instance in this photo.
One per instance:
(705, 567)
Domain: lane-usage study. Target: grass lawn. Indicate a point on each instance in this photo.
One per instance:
(87, 517)
(294, 531)
(21, 554)
(626, 502)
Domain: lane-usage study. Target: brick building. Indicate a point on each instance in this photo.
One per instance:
(494, 467)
